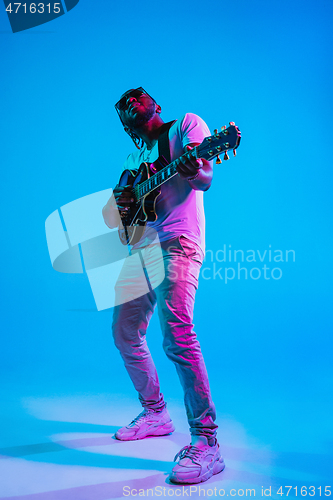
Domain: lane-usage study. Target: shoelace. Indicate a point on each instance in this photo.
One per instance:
(189, 451)
(143, 416)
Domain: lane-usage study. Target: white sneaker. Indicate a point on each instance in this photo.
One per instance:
(148, 423)
(197, 464)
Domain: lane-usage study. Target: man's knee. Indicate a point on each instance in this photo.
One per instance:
(122, 335)
(178, 341)
(127, 335)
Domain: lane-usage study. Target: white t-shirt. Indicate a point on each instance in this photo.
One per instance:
(179, 207)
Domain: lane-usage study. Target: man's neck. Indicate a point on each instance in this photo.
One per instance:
(150, 131)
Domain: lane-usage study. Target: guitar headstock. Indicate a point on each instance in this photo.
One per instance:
(220, 142)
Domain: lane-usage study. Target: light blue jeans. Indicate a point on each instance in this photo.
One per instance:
(175, 300)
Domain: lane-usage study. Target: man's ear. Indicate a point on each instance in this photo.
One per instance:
(158, 109)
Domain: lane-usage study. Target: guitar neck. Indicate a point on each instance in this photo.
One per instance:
(211, 147)
(156, 180)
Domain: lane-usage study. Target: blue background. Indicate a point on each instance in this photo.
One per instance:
(264, 65)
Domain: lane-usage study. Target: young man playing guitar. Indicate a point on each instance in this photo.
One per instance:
(180, 225)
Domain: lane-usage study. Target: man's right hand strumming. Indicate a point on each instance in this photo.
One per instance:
(117, 205)
(124, 197)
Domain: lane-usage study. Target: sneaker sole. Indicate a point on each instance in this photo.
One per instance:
(218, 467)
(161, 430)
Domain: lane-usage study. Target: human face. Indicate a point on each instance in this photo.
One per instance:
(122, 104)
(135, 107)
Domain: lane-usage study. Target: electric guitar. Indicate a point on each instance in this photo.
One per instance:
(146, 181)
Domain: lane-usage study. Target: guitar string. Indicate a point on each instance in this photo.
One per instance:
(160, 178)
(158, 174)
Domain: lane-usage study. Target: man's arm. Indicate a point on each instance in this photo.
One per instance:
(111, 214)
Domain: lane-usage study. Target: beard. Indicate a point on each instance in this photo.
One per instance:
(142, 117)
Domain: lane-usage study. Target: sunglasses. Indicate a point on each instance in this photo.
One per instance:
(122, 103)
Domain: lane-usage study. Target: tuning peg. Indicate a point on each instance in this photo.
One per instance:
(232, 123)
(234, 151)
(223, 128)
(218, 160)
(216, 133)
(226, 157)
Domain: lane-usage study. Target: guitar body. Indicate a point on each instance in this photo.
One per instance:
(142, 211)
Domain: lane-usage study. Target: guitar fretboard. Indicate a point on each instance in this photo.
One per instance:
(158, 179)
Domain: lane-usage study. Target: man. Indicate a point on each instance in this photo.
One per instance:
(180, 226)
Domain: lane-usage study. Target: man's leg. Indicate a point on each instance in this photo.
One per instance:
(130, 321)
(175, 298)
(136, 303)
